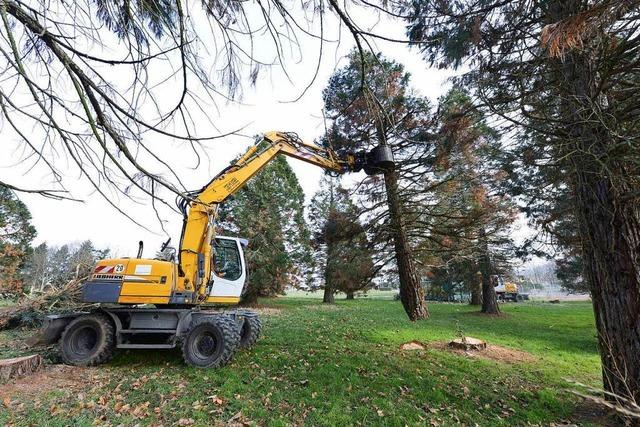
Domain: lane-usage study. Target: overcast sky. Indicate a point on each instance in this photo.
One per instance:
(262, 108)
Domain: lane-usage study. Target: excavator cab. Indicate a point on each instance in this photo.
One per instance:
(229, 270)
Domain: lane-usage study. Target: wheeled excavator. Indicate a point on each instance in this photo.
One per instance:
(167, 302)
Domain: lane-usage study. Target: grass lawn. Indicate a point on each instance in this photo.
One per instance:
(340, 365)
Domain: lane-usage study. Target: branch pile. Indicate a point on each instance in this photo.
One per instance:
(32, 309)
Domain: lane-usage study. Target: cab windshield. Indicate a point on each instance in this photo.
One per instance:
(226, 259)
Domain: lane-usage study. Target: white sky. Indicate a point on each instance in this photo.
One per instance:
(263, 108)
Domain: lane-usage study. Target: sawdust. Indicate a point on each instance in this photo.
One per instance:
(492, 352)
(53, 377)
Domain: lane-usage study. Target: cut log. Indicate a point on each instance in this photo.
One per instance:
(20, 367)
(468, 343)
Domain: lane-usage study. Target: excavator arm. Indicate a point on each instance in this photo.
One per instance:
(200, 212)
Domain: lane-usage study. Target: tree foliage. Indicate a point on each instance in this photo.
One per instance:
(16, 234)
(174, 62)
(386, 111)
(475, 213)
(269, 212)
(342, 257)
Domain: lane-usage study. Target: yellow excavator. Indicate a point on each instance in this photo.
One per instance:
(167, 302)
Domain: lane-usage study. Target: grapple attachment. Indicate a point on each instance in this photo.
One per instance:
(379, 160)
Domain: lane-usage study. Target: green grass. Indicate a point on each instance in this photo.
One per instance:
(5, 302)
(341, 365)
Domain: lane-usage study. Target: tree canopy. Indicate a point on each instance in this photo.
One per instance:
(101, 83)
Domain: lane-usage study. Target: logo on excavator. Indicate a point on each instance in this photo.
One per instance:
(107, 276)
(232, 184)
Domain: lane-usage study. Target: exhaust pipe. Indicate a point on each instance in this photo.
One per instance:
(140, 247)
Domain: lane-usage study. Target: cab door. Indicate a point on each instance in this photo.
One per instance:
(228, 272)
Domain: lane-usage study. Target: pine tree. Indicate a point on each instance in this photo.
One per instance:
(60, 265)
(342, 254)
(385, 112)
(37, 271)
(465, 227)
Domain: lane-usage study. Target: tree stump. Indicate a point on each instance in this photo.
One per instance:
(468, 343)
(412, 345)
(20, 367)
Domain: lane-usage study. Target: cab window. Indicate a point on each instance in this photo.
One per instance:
(226, 259)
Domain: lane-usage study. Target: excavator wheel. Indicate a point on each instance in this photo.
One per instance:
(88, 340)
(250, 331)
(211, 342)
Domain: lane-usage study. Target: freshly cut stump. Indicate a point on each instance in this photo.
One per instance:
(468, 343)
(412, 345)
(20, 367)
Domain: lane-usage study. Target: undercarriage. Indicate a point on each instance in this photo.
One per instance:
(207, 338)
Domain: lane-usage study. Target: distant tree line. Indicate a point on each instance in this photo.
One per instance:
(25, 269)
(52, 267)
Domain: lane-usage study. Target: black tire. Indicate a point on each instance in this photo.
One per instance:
(88, 340)
(211, 342)
(250, 331)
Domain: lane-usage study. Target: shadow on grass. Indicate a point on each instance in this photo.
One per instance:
(149, 358)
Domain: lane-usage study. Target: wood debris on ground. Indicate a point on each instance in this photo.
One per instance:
(32, 308)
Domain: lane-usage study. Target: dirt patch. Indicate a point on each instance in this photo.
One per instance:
(492, 352)
(54, 377)
(267, 310)
(590, 413)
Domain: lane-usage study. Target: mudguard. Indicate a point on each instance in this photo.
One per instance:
(54, 326)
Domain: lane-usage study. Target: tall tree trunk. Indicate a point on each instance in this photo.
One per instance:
(604, 183)
(329, 297)
(489, 298)
(411, 292)
(475, 280)
(610, 224)
(350, 295)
